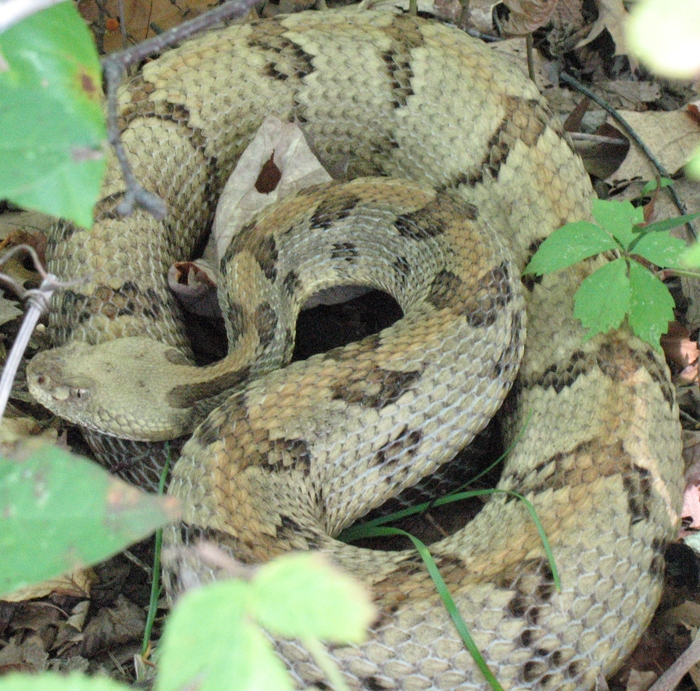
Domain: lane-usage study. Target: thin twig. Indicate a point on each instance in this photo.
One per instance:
(672, 676)
(153, 46)
(568, 79)
(115, 66)
(14, 11)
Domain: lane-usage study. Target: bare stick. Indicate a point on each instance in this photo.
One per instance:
(568, 79)
(115, 66)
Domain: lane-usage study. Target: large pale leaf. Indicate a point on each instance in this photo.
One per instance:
(52, 129)
(59, 512)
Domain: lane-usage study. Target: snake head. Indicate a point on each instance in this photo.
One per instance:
(119, 388)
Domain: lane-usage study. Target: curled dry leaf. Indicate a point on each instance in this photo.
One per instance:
(611, 16)
(77, 583)
(527, 15)
(277, 145)
(681, 350)
(194, 285)
(672, 136)
(640, 681)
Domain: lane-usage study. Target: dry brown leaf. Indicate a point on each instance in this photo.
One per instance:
(9, 310)
(691, 455)
(626, 95)
(611, 16)
(691, 505)
(277, 145)
(694, 110)
(527, 15)
(678, 346)
(23, 655)
(194, 285)
(18, 429)
(74, 584)
(448, 10)
(640, 681)
(143, 18)
(112, 626)
(687, 614)
(671, 136)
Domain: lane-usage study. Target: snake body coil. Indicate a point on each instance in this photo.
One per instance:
(300, 452)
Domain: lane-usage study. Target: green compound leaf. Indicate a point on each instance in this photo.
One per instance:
(603, 299)
(669, 223)
(618, 218)
(210, 643)
(303, 596)
(52, 681)
(59, 511)
(568, 245)
(651, 307)
(52, 129)
(212, 640)
(662, 249)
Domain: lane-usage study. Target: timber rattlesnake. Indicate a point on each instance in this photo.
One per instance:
(396, 96)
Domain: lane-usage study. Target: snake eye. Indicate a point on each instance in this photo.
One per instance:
(79, 393)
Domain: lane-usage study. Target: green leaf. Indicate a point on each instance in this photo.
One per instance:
(661, 249)
(59, 511)
(210, 643)
(303, 595)
(618, 218)
(603, 299)
(669, 223)
(691, 258)
(652, 185)
(568, 245)
(51, 681)
(651, 306)
(692, 168)
(665, 35)
(52, 129)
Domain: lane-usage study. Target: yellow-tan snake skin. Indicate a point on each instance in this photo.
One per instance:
(301, 452)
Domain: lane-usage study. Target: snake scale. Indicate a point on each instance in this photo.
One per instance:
(297, 453)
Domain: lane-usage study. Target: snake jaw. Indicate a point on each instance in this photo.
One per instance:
(129, 369)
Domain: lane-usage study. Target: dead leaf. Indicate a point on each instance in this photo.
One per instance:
(672, 136)
(9, 310)
(142, 19)
(23, 655)
(678, 347)
(694, 110)
(527, 15)
(74, 584)
(14, 430)
(194, 285)
(691, 505)
(121, 623)
(276, 142)
(602, 152)
(640, 681)
(611, 16)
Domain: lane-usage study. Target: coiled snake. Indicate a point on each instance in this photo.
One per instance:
(299, 453)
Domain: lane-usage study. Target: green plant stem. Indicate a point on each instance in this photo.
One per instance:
(328, 667)
(155, 582)
(449, 603)
(684, 273)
